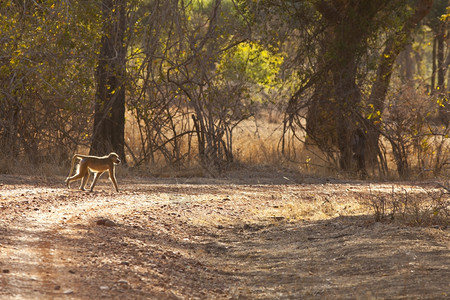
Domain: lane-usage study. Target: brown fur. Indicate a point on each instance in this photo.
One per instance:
(95, 164)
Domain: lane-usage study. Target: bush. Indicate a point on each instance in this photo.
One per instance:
(415, 209)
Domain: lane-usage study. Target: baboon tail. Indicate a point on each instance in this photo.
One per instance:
(73, 163)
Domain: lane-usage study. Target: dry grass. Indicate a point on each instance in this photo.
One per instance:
(23, 166)
(256, 144)
(431, 208)
(315, 209)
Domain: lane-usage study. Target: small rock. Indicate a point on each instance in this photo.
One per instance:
(124, 284)
(5, 271)
(71, 271)
(125, 263)
(57, 287)
(104, 287)
(106, 222)
(101, 222)
(68, 292)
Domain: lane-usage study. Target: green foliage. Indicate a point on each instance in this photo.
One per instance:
(250, 62)
(51, 44)
(46, 75)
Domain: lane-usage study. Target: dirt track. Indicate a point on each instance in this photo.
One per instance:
(212, 239)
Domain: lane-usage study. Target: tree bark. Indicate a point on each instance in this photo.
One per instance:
(350, 23)
(109, 115)
(395, 44)
(433, 65)
(441, 70)
(440, 58)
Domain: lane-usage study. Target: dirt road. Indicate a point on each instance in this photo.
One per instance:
(213, 239)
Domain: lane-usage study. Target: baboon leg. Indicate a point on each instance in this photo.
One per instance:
(112, 177)
(84, 180)
(73, 178)
(96, 176)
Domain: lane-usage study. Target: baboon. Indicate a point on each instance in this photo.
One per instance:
(95, 164)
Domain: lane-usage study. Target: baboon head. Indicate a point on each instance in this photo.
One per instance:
(114, 158)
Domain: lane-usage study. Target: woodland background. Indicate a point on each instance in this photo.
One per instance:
(351, 87)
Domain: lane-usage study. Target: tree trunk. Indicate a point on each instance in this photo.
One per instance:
(440, 58)
(441, 70)
(347, 110)
(394, 46)
(109, 116)
(406, 66)
(349, 22)
(433, 66)
(320, 125)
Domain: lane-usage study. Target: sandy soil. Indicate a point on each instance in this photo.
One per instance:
(246, 237)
